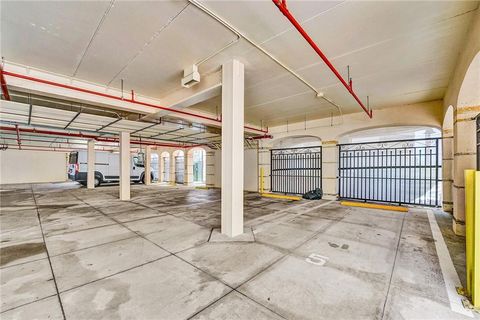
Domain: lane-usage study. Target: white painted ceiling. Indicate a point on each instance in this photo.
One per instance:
(400, 52)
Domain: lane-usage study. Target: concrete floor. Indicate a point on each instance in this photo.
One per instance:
(68, 252)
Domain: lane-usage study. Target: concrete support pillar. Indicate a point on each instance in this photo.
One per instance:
(91, 164)
(125, 166)
(330, 169)
(464, 157)
(188, 171)
(232, 147)
(148, 165)
(447, 169)
(210, 168)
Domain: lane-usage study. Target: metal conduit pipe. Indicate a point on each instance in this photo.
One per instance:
(268, 54)
(109, 96)
(237, 38)
(282, 6)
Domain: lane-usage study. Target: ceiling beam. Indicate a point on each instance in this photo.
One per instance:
(209, 87)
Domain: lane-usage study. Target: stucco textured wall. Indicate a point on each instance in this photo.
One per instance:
(26, 166)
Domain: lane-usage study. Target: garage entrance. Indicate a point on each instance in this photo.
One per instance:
(400, 171)
(296, 170)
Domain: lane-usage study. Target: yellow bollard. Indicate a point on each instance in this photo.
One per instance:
(476, 247)
(469, 227)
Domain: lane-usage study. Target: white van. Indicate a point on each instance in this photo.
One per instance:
(107, 167)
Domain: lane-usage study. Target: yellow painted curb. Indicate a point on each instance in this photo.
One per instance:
(373, 206)
(279, 196)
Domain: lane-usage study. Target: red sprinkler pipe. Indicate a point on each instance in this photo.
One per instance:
(282, 6)
(109, 96)
(266, 136)
(90, 136)
(3, 83)
(42, 148)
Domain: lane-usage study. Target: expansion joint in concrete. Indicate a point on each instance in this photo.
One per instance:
(48, 254)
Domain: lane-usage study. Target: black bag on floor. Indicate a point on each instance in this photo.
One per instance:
(313, 195)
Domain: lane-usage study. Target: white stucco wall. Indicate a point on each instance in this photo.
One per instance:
(26, 166)
(250, 174)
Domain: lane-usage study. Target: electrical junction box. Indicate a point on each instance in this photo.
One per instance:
(190, 76)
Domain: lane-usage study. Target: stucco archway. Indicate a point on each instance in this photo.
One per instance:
(464, 132)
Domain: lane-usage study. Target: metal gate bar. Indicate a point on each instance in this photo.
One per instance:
(400, 171)
(296, 170)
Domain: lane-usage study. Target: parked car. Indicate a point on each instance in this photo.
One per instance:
(107, 167)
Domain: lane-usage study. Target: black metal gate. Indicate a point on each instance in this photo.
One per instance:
(401, 171)
(296, 170)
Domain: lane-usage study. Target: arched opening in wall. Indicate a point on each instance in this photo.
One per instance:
(400, 165)
(179, 166)
(296, 165)
(165, 167)
(466, 151)
(466, 121)
(197, 165)
(154, 166)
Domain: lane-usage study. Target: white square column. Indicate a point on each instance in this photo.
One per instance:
(125, 166)
(148, 165)
(232, 147)
(91, 164)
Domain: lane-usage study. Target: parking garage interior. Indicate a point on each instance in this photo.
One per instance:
(239, 159)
